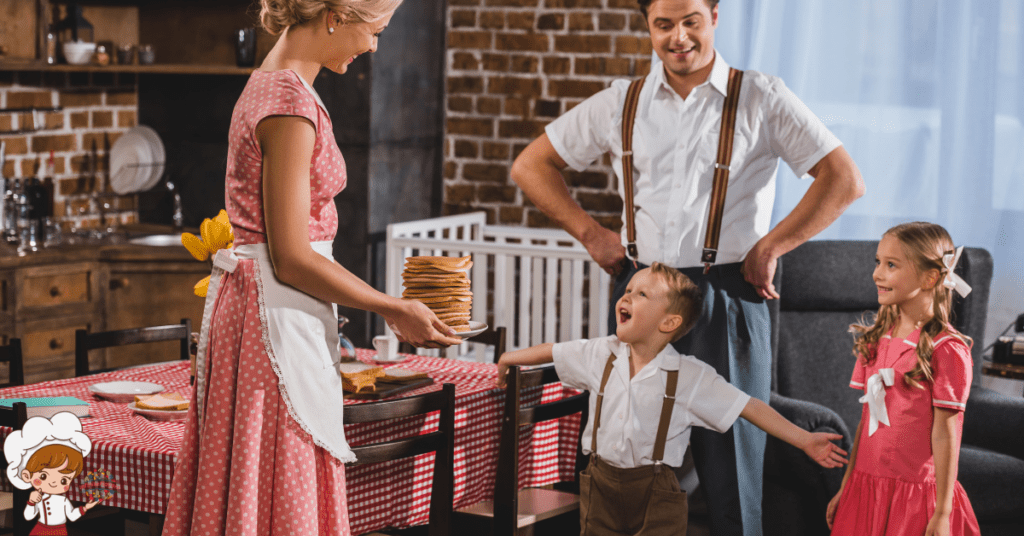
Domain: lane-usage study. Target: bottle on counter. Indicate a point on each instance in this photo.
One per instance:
(26, 238)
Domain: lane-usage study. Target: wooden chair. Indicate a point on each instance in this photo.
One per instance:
(495, 337)
(442, 442)
(11, 354)
(85, 341)
(511, 508)
(14, 418)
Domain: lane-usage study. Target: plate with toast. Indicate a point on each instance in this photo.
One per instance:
(161, 407)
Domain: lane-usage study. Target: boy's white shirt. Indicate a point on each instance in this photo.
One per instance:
(632, 407)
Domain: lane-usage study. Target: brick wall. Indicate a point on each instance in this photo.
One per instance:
(89, 111)
(512, 67)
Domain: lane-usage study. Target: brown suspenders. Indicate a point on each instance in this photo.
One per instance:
(666, 410)
(721, 178)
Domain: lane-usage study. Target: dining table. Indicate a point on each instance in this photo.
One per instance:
(139, 452)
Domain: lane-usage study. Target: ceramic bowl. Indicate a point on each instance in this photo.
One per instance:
(78, 53)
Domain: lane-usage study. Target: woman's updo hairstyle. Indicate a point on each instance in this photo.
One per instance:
(277, 15)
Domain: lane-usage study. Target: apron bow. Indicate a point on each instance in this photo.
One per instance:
(875, 398)
(226, 260)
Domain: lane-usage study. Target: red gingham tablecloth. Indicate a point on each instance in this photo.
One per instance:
(139, 453)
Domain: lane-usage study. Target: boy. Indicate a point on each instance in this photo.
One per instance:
(645, 397)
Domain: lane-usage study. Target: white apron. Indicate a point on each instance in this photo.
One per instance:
(300, 335)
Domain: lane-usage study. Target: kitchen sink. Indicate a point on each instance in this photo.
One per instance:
(161, 240)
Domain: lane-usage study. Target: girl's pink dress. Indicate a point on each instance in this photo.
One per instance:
(891, 490)
(249, 468)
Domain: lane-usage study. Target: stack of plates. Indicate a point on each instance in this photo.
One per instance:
(136, 161)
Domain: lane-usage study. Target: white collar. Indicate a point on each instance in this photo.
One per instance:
(718, 79)
(667, 359)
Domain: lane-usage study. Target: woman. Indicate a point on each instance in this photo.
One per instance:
(263, 450)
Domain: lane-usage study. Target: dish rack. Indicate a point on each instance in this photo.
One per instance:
(540, 284)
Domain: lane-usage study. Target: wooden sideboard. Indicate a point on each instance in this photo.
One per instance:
(46, 296)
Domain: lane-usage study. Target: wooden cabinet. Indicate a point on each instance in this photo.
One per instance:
(151, 294)
(45, 297)
(51, 301)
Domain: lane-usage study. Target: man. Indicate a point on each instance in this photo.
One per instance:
(675, 146)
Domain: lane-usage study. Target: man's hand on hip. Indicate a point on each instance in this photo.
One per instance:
(759, 270)
(605, 247)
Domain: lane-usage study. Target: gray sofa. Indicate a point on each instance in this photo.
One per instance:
(825, 286)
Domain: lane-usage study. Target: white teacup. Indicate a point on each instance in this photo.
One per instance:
(387, 348)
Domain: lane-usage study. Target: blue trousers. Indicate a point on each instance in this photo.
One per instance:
(733, 335)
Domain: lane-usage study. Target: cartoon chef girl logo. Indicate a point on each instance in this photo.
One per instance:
(46, 455)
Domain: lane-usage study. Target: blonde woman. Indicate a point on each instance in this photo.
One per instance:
(264, 448)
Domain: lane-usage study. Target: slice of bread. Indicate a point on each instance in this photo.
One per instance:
(357, 377)
(402, 375)
(162, 402)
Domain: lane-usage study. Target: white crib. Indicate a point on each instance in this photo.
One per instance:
(540, 284)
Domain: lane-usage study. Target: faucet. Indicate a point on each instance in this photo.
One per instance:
(177, 216)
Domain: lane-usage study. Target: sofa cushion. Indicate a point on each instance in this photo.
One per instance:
(816, 360)
(987, 476)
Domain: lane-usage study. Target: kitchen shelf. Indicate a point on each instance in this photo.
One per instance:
(158, 68)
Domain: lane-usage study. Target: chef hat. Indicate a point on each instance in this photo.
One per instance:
(62, 429)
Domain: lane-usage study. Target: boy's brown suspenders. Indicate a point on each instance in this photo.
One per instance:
(721, 178)
(663, 422)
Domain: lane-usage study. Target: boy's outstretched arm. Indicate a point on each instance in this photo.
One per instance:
(534, 355)
(818, 446)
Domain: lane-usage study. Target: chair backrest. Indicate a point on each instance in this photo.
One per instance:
(85, 341)
(826, 285)
(10, 353)
(496, 337)
(518, 414)
(441, 441)
(14, 418)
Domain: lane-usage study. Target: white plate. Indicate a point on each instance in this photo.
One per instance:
(130, 159)
(475, 328)
(124, 391)
(157, 153)
(158, 414)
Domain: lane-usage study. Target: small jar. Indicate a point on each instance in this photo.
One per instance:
(147, 54)
(125, 54)
(101, 56)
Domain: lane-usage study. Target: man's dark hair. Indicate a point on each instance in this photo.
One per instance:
(644, 4)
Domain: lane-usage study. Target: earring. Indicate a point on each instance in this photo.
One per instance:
(330, 30)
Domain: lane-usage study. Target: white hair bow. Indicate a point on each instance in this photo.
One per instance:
(954, 282)
(875, 398)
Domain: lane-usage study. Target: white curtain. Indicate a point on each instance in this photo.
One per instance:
(928, 98)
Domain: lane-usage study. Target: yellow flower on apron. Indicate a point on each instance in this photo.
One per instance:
(216, 234)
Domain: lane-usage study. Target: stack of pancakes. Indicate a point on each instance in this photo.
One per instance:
(442, 284)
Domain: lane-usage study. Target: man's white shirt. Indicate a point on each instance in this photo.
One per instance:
(632, 406)
(675, 144)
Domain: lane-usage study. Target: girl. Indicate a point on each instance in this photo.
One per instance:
(264, 444)
(915, 369)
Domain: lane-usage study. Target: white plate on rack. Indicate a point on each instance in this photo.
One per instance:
(157, 155)
(475, 328)
(130, 162)
(124, 391)
(159, 414)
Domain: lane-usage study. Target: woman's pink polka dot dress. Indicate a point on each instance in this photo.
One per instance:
(248, 468)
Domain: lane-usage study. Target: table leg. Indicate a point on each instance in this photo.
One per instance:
(156, 524)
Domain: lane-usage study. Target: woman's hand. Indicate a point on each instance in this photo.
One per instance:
(35, 496)
(938, 525)
(821, 449)
(417, 325)
(89, 506)
(830, 512)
